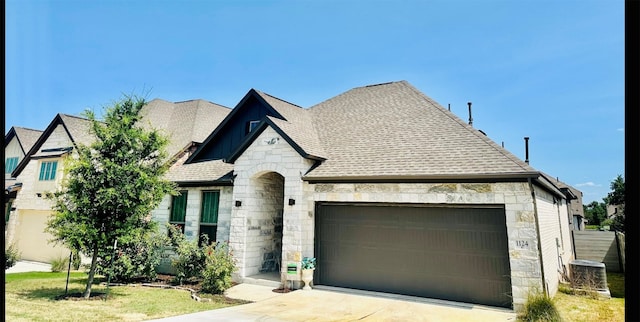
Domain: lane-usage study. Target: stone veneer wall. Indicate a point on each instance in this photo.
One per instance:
(516, 198)
(270, 153)
(192, 218)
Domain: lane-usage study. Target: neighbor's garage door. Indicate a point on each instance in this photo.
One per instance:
(451, 253)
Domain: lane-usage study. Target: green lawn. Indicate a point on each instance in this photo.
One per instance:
(585, 308)
(33, 297)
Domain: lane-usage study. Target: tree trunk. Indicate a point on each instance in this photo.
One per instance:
(92, 272)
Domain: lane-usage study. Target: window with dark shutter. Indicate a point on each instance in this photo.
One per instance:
(209, 214)
(179, 210)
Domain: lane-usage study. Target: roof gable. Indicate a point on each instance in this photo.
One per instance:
(183, 122)
(76, 128)
(26, 137)
(234, 129)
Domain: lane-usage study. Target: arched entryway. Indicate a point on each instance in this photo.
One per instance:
(265, 225)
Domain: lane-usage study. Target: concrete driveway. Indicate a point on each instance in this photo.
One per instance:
(333, 304)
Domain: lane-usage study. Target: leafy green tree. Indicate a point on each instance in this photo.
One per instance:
(616, 198)
(111, 186)
(595, 212)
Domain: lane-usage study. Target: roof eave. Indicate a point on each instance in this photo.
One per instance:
(489, 177)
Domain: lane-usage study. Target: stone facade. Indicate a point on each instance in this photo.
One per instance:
(268, 215)
(257, 188)
(516, 198)
(192, 218)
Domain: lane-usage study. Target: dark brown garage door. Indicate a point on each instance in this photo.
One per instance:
(451, 253)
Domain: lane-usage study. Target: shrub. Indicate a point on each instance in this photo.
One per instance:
(539, 308)
(137, 255)
(60, 264)
(220, 264)
(190, 258)
(11, 255)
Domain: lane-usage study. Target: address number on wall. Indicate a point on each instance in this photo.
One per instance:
(523, 244)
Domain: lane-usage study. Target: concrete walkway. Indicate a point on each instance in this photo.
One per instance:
(27, 266)
(335, 304)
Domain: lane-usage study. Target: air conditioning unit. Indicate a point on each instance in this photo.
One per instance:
(589, 275)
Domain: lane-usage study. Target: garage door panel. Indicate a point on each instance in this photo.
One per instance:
(453, 253)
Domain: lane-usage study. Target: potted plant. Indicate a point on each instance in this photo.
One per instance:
(307, 266)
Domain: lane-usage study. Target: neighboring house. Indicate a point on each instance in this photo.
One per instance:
(39, 172)
(390, 192)
(187, 124)
(17, 143)
(613, 211)
(575, 208)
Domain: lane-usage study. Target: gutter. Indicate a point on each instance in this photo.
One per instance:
(535, 213)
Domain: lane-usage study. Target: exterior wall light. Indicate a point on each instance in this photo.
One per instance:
(292, 202)
(238, 203)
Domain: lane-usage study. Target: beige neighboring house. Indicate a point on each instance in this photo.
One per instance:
(17, 142)
(41, 171)
(390, 192)
(186, 123)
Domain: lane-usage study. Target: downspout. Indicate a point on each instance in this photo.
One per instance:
(535, 213)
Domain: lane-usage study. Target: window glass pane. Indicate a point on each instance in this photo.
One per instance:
(209, 212)
(10, 164)
(43, 166)
(209, 231)
(48, 170)
(54, 167)
(179, 207)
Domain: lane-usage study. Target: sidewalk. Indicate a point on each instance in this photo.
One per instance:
(27, 266)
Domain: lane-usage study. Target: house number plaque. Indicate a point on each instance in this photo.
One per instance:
(522, 244)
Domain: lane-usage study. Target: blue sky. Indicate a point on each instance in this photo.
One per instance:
(552, 71)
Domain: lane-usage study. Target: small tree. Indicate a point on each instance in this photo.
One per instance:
(595, 212)
(617, 198)
(111, 186)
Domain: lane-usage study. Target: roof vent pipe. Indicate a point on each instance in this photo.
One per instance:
(449, 107)
(470, 118)
(526, 149)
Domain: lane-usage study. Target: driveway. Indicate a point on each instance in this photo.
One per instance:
(334, 304)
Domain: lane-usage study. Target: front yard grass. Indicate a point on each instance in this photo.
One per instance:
(583, 308)
(33, 297)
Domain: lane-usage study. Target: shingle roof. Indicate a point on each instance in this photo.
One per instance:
(27, 137)
(206, 171)
(184, 122)
(393, 130)
(79, 128)
(299, 125)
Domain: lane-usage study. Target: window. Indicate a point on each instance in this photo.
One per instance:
(179, 209)
(209, 214)
(48, 170)
(10, 164)
(7, 213)
(251, 125)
